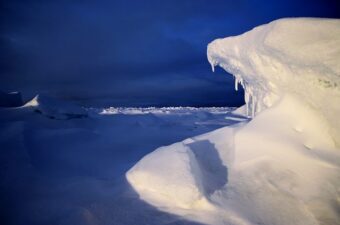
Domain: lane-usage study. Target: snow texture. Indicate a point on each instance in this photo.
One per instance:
(282, 167)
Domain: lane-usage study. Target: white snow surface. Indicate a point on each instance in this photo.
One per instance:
(282, 167)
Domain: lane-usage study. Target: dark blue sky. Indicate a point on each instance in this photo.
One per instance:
(130, 52)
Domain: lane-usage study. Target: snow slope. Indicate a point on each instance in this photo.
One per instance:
(283, 167)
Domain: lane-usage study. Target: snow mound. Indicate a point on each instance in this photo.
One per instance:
(55, 108)
(184, 183)
(282, 167)
(298, 56)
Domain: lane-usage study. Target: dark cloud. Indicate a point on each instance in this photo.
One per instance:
(129, 51)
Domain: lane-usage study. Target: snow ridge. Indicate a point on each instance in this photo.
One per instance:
(165, 110)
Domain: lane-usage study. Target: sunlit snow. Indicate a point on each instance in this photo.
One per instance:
(282, 167)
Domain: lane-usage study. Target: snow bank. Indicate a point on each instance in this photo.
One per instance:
(55, 108)
(283, 166)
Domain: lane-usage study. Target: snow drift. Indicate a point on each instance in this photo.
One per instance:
(283, 167)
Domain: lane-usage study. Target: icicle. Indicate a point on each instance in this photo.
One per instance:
(258, 107)
(259, 103)
(212, 63)
(251, 101)
(253, 105)
(237, 80)
(246, 99)
(212, 66)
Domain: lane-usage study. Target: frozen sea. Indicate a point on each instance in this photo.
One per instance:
(72, 171)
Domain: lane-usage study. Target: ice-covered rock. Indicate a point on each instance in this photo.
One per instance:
(55, 109)
(12, 99)
(283, 166)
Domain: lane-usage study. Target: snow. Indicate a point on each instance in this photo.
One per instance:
(274, 161)
(298, 56)
(72, 170)
(283, 166)
(164, 110)
(55, 108)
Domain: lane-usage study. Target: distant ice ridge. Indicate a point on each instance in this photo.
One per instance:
(282, 167)
(165, 110)
(55, 108)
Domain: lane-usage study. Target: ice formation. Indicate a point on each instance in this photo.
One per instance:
(283, 166)
(299, 56)
(165, 110)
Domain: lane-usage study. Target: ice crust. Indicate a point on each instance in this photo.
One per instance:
(283, 166)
